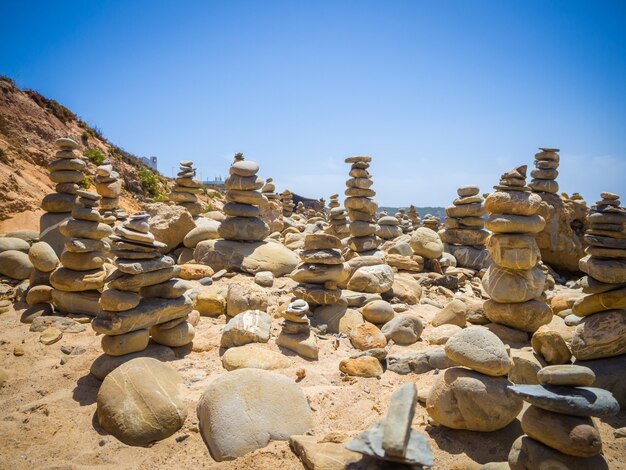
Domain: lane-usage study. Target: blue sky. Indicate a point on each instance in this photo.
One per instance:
(439, 93)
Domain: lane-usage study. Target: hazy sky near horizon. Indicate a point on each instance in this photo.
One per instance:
(439, 93)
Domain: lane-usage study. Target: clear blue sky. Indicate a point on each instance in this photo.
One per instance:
(439, 93)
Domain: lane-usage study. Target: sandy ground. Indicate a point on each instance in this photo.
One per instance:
(48, 411)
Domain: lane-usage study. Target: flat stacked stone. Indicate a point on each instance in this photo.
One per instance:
(143, 298)
(66, 170)
(242, 222)
(334, 201)
(338, 223)
(79, 280)
(320, 269)
(361, 207)
(300, 209)
(389, 227)
(432, 222)
(558, 422)
(296, 334)
(185, 191)
(476, 396)
(287, 200)
(109, 186)
(269, 190)
(414, 217)
(545, 172)
(602, 331)
(514, 281)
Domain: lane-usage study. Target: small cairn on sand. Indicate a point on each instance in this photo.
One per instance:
(185, 191)
(515, 282)
(109, 186)
(287, 200)
(361, 207)
(545, 172)
(432, 222)
(142, 299)
(414, 217)
(392, 440)
(242, 211)
(80, 279)
(296, 334)
(300, 209)
(338, 218)
(269, 190)
(476, 396)
(334, 201)
(66, 170)
(388, 227)
(463, 231)
(557, 425)
(602, 331)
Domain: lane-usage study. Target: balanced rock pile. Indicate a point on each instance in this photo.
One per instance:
(287, 200)
(464, 228)
(185, 191)
(142, 298)
(432, 222)
(361, 207)
(66, 170)
(389, 227)
(413, 215)
(109, 186)
(514, 281)
(242, 222)
(393, 440)
(558, 423)
(79, 281)
(269, 190)
(475, 397)
(338, 219)
(296, 334)
(602, 331)
(545, 172)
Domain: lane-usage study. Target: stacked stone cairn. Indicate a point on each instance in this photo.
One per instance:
(66, 170)
(337, 218)
(361, 207)
(545, 172)
(80, 279)
(414, 217)
(269, 190)
(109, 186)
(463, 231)
(558, 426)
(602, 331)
(287, 200)
(514, 281)
(242, 222)
(296, 334)
(143, 298)
(300, 209)
(388, 227)
(432, 222)
(476, 396)
(185, 191)
(393, 441)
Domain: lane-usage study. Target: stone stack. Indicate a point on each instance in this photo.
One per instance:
(602, 331)
(361, 207)
(393, 442)
(432, 222)
(545, 172)
(414, 217)
(142, 299)
(334, 201)
(296, 334)
(66, 170)
(185, 191)
(300, 208)
(464, 228)
(514, 281)
(338, 223)
(287, 201)
(80, 279)
(389, 227)
(320, 269)
(242, 222)
(558, 426)
(475, 397)
(269, 190)
(109, 186)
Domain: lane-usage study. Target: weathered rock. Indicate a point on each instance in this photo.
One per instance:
(245, 409)
(506, 285)
(338, 318)
(425, 242)
(322, 455)
(252, 326)
(404, 329)
(15, 264)
(479, 349)
(119, 345)
(452, 314)
(372, 279)
(526, 316)
(14, 244)
(572, 375)
(441, 334)
(527, 453)
(600, 335)
(139, 402)
(43, 257)
(551, 345)
(242, 297)
(105, 364)
(77, 303)
(169, 224)
(367, 336)
(303, 344)
(364, 366)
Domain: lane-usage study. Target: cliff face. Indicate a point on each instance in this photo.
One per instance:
(29, 125)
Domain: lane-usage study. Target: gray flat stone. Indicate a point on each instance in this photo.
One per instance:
(397, 427)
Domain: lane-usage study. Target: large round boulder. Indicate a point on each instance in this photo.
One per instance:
(426, 242)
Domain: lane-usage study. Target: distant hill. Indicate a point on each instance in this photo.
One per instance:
(422, 211)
